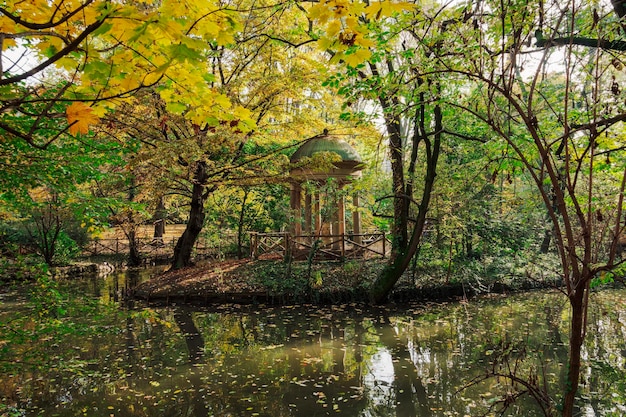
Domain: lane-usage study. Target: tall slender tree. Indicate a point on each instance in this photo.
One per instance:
(410, 107)
(560, 111)
(525, 71)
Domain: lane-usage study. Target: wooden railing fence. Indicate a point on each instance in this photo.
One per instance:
(262, 246)
(156, 250)
(283, 244)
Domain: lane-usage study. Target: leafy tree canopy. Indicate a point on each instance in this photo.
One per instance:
(105, 51)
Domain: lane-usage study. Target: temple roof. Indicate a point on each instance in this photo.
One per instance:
(326, 143)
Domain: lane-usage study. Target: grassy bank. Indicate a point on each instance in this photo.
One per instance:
(277, 282)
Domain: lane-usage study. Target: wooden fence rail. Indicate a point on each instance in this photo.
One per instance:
(365, 245)
(161, 250)
(262, 245)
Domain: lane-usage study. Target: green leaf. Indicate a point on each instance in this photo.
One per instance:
(104, 28)
(176, 108)
(182, 52)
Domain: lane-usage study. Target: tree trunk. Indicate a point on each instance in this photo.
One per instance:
(240, 224)
(400, 199)
(545, 243)
(159, 221)
(130, 229)
(400, 259)
(134, 256)
(48, 224)
(184, 246)
(577, 338)
(396, 155)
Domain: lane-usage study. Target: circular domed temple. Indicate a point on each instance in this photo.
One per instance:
(350, 164)
(316, 212)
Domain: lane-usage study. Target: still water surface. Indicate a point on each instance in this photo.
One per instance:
(348, 360)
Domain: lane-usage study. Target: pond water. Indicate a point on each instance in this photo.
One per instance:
(347, 360)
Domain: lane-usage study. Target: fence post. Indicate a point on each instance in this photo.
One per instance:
(384, 245)
(253, 244)
(287, 242)
(343, 245)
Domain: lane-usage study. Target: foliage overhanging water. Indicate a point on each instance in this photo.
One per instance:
(352, 360)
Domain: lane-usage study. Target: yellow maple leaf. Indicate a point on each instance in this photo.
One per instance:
(153, 77)
(357, 57)
(224, 38)
(319, 12)
(222, 100)
(8, 43)
(325, 42)
(387, 8)
(364, 42)
(80, 116)
(333, 28)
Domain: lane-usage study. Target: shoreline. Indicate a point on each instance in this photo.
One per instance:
(277, 283)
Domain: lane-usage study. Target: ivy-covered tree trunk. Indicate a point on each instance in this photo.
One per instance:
(130, 228)
(577, 337)
(401, 201)
(240, 223)
(160, 214)
(134, 255)
(402, 254)
(185, 244)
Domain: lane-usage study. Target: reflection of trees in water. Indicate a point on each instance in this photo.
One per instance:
(291, 361)
(326, 365)
(122, 284)
(193, 338)
(426, 361)
(288, 360)
(435, 355)
(409, 391)
(535, 328)
(195, 403)
(606, 349)
(324, 356)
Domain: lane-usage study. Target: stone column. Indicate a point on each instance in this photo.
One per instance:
(341, 217)
(318, 214)
(356, 220)
(296, 205)
(308, 214)
(335, 221)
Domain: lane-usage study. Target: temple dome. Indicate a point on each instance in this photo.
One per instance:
(349, 166)
(326, 143)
